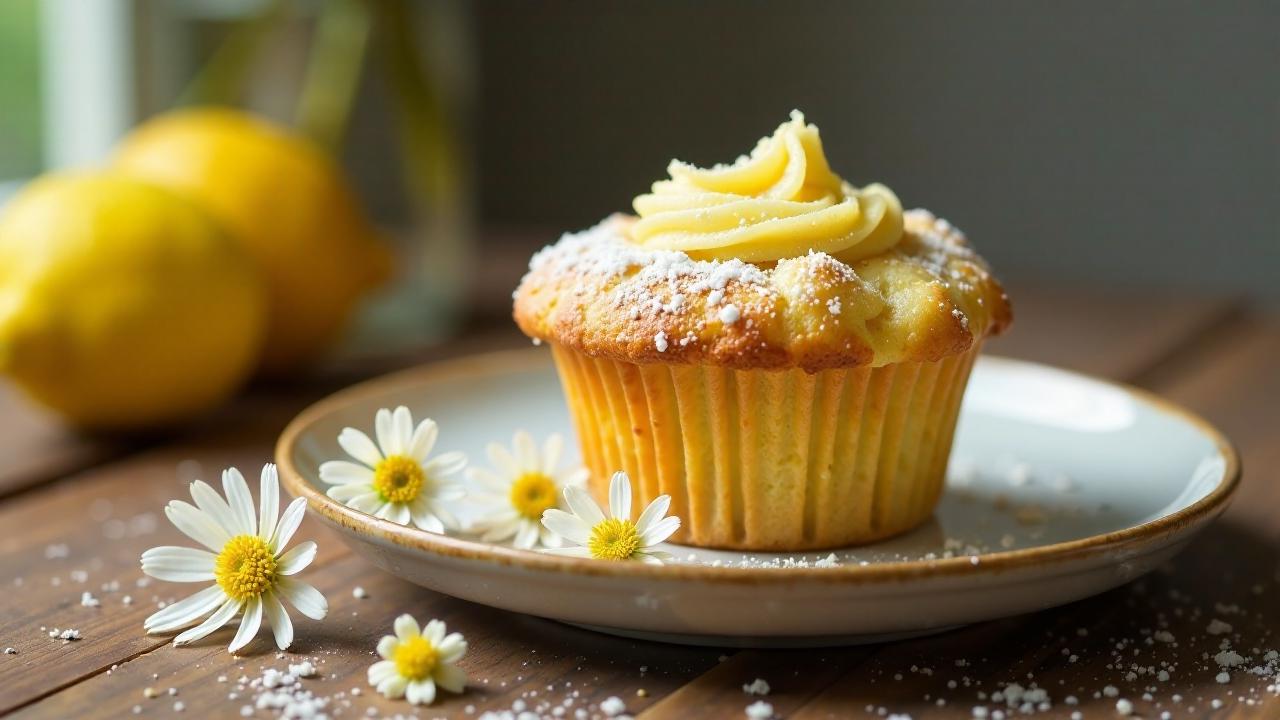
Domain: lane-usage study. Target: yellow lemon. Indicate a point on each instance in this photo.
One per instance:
(122, 303)
(286, 201)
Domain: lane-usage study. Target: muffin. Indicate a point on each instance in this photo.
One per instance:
(779, 351)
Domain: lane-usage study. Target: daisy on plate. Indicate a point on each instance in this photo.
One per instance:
(414, 663)
(615, 537)
(522, 485)
(393, 479)
(245, 560)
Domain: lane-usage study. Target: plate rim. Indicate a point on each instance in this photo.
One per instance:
(891, 572)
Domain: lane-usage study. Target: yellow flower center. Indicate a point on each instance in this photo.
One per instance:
(532, 494)
(245, 568)
(613, 539)
(398, 479)
(415, 658)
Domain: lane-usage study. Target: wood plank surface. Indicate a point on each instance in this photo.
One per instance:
(35, 446)
(1106, 653)
(105, 516)
(1114, 333)
(86, 534)
(510, 658)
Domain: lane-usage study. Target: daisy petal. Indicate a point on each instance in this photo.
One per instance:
(497, 530)
(278, 617)
(406, 627)
(653, 513)
(402, 430)
(551, 450)
(570, 527)
(268, 501)
(209, 501)
(177, 552)
(653, 557)
(166, 574)
(307, 599)
(451, 648)
(241, 502)
(289, 523)
(359, 446)
(488, 480)
(249, 624)
(434, 632)
(421, 692)
(577, 477)
(196, 525)
(343, 472)
(424, 438)
(381, 671)
(386, 647)
(549, 539)
(581, 504)
(526, 536)
(423, 517)
(501, 459)
(397, 513)
(572, 551)
(445, 464)
(369, 503)
(292, 562)
(443, 514)
(185, 611)
(525, 451)
(393, 687)
(343, 493)
(451, 678)
(659, 531)
(449, 492)
(383, 425)
(178, 564)
(620, 496)
(213, 622)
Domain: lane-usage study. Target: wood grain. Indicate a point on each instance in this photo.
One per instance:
(86, 533)
(36, 446)
(510, 657)
(107, 515)
(1231, 573)
(1118, 334)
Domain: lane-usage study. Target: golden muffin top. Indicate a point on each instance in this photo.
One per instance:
(771, 262)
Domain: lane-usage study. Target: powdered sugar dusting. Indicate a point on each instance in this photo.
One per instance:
(598, 287)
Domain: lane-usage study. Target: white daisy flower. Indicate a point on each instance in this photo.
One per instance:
(394, 480)
(522, 486)
(416, 662)
(245, 560)
(614, 537)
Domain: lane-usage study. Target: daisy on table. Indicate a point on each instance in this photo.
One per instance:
(415, 663)
(614, 537)
(522, 485)
(394, 479)
(245, 559)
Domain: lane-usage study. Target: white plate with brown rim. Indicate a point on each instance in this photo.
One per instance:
(1061, 487)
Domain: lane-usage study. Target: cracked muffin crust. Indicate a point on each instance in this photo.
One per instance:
(928, 297)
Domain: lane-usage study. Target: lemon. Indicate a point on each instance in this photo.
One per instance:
(123, 304)
(286, 201)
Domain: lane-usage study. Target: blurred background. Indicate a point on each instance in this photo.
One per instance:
(1128, 144)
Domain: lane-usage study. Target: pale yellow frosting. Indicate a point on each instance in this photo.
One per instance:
(781, 201)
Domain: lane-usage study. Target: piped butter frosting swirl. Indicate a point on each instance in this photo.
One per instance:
(780, 201)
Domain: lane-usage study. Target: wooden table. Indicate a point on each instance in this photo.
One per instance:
(76, 513)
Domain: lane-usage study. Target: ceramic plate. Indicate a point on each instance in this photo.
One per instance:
(1061, 487)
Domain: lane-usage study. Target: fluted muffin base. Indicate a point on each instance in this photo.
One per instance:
(771, 460)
